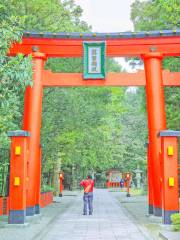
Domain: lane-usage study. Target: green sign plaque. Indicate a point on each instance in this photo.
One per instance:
(94, 60)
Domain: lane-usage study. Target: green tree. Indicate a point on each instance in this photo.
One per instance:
(46, 15)
(159, 15)
(15, 75)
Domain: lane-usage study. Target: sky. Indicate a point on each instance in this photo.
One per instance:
(108, 16)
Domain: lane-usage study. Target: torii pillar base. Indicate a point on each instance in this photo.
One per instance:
(169, 163)
(18, 174)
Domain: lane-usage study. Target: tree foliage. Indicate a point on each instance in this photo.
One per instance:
(155, 14)
(160, 15)
(15, 75)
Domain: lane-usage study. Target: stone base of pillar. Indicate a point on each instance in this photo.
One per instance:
(17, 216)
(30, 211)
(150, 209)
(157, 212)
(166, 216)
(37, 209)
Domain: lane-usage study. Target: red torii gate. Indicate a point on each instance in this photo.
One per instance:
(152, 47)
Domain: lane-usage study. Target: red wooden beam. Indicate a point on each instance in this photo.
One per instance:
(58, 47)
(112, 79)
(171, 78)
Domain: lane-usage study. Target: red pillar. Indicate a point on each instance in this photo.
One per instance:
(61, 177)
(150, 185)
(26, 107)
(169, 157)
(32, 123)
(156, 120)
(18, 174)
(38, 186)
(128, 182)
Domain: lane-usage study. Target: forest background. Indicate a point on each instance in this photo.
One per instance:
(84, 130)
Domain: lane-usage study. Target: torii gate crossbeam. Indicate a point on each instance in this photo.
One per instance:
(51, 79)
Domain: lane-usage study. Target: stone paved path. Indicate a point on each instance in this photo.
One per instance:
(109, 222)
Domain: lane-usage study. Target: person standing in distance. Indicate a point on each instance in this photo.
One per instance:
(88, 185)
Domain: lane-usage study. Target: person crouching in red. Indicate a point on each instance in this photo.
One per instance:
(88, 185)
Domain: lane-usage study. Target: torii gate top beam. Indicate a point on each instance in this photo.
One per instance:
(127, 44)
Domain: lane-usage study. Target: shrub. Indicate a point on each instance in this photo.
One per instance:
(175, 218)
(47, 188)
